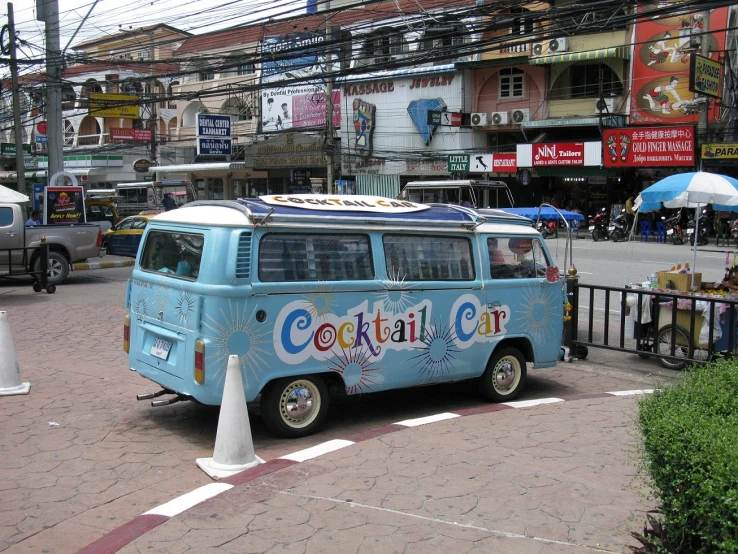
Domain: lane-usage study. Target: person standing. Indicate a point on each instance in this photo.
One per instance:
(35, 219)
(629, 213)
(168, 202)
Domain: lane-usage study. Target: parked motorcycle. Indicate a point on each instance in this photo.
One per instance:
(547, 229)
(674, 228)
(619, 227)
(703, 230)
(598, 226)
(734, 232)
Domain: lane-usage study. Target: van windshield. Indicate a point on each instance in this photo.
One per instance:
(174, 254)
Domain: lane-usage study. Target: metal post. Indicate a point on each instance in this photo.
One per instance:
(572, 298)
(704, 51)
(17, 125)
(328, 104)
(44, 277)
(154, 123)
(55, 139)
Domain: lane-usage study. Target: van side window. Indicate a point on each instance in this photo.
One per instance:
(287, 257)
(6, 217)
(428, 258)
(175, 254)
(516, 258)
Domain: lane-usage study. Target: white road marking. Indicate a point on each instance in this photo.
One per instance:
(530, 403)
(631, 392)
(425, 420)
(187, 501)
(317, 450)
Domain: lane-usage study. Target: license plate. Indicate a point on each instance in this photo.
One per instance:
(611, 228)
(690, 231)
(670, 231)
(160, 349)
(591, 227)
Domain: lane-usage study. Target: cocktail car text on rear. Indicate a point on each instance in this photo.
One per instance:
(321, 295)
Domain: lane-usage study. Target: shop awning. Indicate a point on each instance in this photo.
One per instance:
(587, 171)
(78, 172)
(607, 121)
(12, 176)
(198, 168)
(622, 52)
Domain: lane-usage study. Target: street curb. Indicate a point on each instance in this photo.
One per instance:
(102, 265)
(139, 526)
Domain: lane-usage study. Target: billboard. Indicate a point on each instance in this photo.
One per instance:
(65, 204)
(293, 83)
(661, 67)
(114, 105)
(649, 147)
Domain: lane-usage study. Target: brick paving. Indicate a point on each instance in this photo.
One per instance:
(79, 457)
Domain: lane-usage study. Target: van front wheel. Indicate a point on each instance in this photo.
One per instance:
(505, 375)
(294, 406)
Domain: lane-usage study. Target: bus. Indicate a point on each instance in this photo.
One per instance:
(323, 296)
(148, 195)
(467, 193)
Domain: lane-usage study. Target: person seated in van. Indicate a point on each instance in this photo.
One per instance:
(496, 256)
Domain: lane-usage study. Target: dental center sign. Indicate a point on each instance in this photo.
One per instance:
(558, 154)
(345, 202)
(213, 135)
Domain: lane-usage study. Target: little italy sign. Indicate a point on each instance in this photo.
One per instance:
(563, 153)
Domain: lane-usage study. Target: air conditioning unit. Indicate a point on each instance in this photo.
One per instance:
(523, 114)
(550, 47)
(499, 118)
(478, 119)
(605, 105)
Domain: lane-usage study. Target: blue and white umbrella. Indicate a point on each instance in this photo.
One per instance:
(690, 190)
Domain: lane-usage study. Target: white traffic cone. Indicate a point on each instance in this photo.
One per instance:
(234, 448)
(10, 379)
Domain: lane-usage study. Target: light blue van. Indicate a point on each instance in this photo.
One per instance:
(321, 295)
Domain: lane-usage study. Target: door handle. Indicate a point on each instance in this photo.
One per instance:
(12, 234)
(493, 305)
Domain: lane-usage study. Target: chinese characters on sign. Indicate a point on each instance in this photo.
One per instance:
(664, 146)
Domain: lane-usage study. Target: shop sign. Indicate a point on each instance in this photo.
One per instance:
(474, 163)
(349, 203)
(720, 151)
(505, 163)
(142, 166)
(114, 105)
(704, 76)
(143, 135)
(558, 154)
(7, 149)
(42, 128)
(64, 205)
(649, 147)
(213, 146)
(211, 125)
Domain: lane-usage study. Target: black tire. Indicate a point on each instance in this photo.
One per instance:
(307, 393)
(37, 287)
(595, 235)
(691, 240)
(58, 268)
(683, 349)
(51, 289)
(581, 352)
(505, 375)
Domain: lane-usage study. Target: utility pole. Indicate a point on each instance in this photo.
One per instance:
(153, 123)
(48, 11)
(704, 51)
(329, 145)
(17, 124)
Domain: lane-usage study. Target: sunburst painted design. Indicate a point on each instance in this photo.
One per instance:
(139, 305)
(438, 352)
(395, 297)
(357, 370)
(320, 301)
(184, 306)
(162, 297)
(237, 333)
(538, 313)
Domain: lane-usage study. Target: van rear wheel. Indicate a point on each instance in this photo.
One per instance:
(505, 375)
(294, 406)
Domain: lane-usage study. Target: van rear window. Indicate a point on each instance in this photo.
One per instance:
(314, 257)
(174, 254)
(428, 258)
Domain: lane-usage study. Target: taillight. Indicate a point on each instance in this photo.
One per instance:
(99, 239)
(200, 361)
(126, 333)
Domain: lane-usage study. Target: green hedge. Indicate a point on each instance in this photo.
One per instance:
(690, 453)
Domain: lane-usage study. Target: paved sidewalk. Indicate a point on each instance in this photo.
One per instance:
(106, 262)
(544, 478)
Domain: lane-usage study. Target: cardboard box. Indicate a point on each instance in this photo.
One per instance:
(682, 281)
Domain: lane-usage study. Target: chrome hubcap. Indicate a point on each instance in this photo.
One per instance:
(54, 268)
(506, 376)
(300, 403)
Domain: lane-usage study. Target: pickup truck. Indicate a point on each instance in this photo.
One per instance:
(68, 243)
